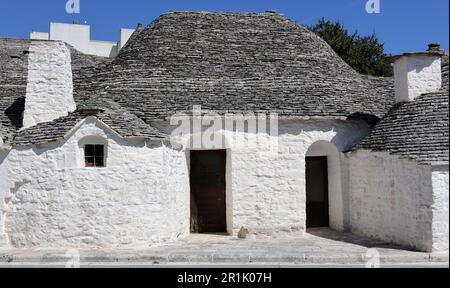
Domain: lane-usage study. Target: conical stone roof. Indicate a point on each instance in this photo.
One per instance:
(234, 62)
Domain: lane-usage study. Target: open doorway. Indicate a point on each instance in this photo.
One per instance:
(317, 198)
(208, 191)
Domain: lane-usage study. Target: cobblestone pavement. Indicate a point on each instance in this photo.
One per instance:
(319, 247)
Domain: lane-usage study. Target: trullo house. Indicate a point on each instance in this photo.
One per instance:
(112, 152)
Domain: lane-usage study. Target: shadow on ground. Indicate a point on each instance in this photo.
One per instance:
(350, 238)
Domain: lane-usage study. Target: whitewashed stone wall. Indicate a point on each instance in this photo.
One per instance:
(4, 187)
(49, 92)
(140, 198)
(266, 191)
(391, 199)
(440, 208)
(337, 178)
(416, 75)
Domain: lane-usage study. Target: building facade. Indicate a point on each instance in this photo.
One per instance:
(214, 122)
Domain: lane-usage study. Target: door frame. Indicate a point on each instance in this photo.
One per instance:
(228, 186)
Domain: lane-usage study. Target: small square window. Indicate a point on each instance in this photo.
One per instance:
(94, 155)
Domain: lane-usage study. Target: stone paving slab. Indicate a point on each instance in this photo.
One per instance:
(317, 248)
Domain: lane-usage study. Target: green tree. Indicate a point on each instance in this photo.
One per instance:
(364, 53)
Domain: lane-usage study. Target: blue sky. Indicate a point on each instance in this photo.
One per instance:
(403, 25)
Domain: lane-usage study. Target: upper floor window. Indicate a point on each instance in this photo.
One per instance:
(94, 155)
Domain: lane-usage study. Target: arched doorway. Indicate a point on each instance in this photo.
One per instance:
(317, 196)
(324, 197)
(209, 166)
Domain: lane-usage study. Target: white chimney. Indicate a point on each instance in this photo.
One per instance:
(49, 93)
(417, 73)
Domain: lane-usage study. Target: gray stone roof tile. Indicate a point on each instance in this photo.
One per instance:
(234, 62)
(13, 84)
(445, 76)
(418, 129)
(121, 121)
(228, 62)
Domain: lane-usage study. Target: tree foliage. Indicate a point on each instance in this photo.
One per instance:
(364, 53)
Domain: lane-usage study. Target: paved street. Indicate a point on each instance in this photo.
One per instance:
(320, 247)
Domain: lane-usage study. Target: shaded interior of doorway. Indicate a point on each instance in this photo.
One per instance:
(317, 200)
(208, 191)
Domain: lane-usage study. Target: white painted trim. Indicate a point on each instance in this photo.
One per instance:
(335, 183)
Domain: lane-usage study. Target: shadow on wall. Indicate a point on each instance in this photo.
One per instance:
(15, 112)
(368, 118)
(343, 134)
(2, 158)
(3, 192)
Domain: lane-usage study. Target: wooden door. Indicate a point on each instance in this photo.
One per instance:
(317, 203)
(208, 186)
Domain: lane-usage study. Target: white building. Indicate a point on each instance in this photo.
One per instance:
(117, 153)
(79, 36)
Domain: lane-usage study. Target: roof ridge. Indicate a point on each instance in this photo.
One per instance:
(270, 12)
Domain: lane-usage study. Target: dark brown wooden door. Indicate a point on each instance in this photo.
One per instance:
(317, 203)
(208, 203)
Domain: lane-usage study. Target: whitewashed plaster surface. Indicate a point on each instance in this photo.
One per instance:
(398, 201)
(440, 208)
(49, 93)
(416, 75)
(142, 197)
(266, 190)
(4, 188)
(337, 179)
